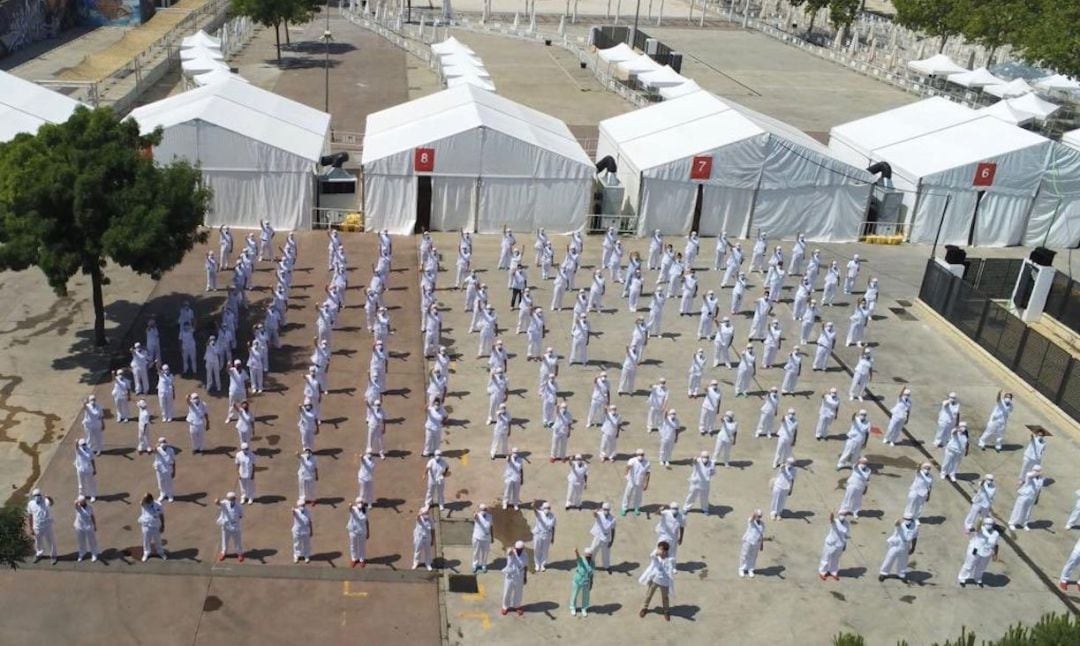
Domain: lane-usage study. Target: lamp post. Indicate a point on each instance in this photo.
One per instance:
(326, 37)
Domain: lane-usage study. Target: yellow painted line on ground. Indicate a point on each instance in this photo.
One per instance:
(480, 595)
(483, 617)
(346, 591)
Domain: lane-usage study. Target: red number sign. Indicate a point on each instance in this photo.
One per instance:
(701, 167)
(424, 160)
(984, 174)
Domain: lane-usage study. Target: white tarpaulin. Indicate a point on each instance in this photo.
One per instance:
(936, 65)
(1072, 138)
(24, 106)
(201, 52)
(618, 53)
(663, 77)
(451, 46)
(1055, 217)
(200, 39)
(1032, 104)
(638, 65)
(976, 78)
(751, 172)
(256, 149)
(488, 162)
(201, 65)
(1015, 87)
(216, 76)
(1058, 82)
(475, 81)
(689, 87)
(1007, 113)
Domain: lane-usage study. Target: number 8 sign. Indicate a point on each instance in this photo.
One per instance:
(701, 167)
(424, 160)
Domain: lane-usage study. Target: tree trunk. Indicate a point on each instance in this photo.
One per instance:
(810, 29)
(288, 40)
(99, 307)
(944, 39)
(277, 41)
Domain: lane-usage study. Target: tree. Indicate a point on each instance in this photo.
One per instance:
(935, 18)
(842, 13)
(994, 23)
(82, 192)
(275, 13)
(812, 7)
(15, 543)
(1050, 37)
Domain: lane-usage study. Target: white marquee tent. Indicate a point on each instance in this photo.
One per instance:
(674, 92)
(1055, 216)
(1008, 113)
(976, 78)
(200, 39)
(663, 77)
(257, 150)
(24, 106)
(702, 157)
(617, 54)
(988, 170)
(1072, 138)
(465, 158)
(936, 65)
(1015, 87)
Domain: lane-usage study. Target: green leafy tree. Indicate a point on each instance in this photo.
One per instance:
(1050, 36)
(15, 543)
(842, 13)
(83, 192)
(812, 7)
(995, 23)
(936, 18)
(277, 13)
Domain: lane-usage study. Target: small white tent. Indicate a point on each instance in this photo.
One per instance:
(466, 158)
(674, 92)
(976, 78)
(24, 106)
(200, 39)
(1005, 111)
(702, 158)
(257, 150)
(1015, 87)
(1072, 138)
(936, 65)
(856, 140)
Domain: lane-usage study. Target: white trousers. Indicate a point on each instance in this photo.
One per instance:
(357, 546)
(151, 541)
(541, 546)
(748, 554)
(87, 542)
(513, 587)
(87, 483)
(896, 560)
(830, 559)
(631, 498)
(45, 538)
(601, 550)
(700, 493)
(247, 488)
(480, 551)
(574, 491)
(301, 545)
(231, 537)
(165, 484)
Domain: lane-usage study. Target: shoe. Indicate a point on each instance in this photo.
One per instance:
(428, 567)
(93, 558)
(221, 557)
(415, 565)
(584, 612)
(742, 573)
(520, 611)
(164, 556)
(667, 617)
(880, 578)
(504, 611)
(240, 558)
(307, 559)
(573, 612)
(145, 557)
(823, 576)
(55, 560)
(1064, 585)
(79, 559)
(93, 498)
(637, 512)
(641, 613)
(750, 574)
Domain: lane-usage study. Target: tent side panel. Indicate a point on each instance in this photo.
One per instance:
(389, 203)
(242, 198)
(667, 206)
(825, 213)
(453, 203)
(1055, 217)
(725, 209)
(561, 205)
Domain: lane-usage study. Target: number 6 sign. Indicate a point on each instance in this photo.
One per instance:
(424, 160)
(701, 167)
(984, 174)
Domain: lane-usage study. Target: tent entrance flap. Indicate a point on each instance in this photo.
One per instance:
(695, 225)
(423, 204)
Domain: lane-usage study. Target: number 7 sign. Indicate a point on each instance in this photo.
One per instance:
(701, 167)
(424, 160)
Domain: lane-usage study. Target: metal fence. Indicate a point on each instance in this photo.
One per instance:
(1063, 302)
(994, 277)
(1037, 359)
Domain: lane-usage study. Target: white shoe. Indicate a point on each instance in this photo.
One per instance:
(145, 557)
(573, 612)
(584, 612)
(750, 574)
(742, 573)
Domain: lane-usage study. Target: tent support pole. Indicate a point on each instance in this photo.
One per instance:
(941, 223)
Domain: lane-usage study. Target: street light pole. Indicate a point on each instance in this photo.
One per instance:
(637, 11)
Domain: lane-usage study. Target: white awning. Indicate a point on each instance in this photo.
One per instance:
(1058, 82)
(937, 65)
(663, 77)
(25, 106)
(1007, 113)
(976, 78)
(451, 46)
(618, 53)
(216, 76)
(1072, 138)
(638, 65)
(474, 81)
(201, 52)
(1031, 103)
(674, 92)
(202, 65)
(1015, 87)
(200, 39)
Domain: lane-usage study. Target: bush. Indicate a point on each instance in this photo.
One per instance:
(1051, 630)
(848, 639)
(15, 543)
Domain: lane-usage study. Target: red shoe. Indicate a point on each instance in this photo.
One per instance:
(221, 557)
(1064, 585)
(363, 564)
(241, 557)
(504, 611)
(552, 459)
(354, 563)
(520, 611)
(823, 577)
(836, 576)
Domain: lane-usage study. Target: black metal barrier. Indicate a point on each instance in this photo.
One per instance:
(969, 304)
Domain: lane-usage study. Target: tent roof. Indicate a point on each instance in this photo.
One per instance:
(247, 110)
(465, 69)
(471, 79)
(618, 53)
(1057, 82)
(936, 65)
(459, 109)
(200, 39)
(451, 46)
(216, 76)
(1015, 87)
(675, 91)
(1005, 111)
(24, 106)
(1072, 138)
(639, 65)
(1030, 102)
(663, 77)
(979, 77)
(965, 143)
(692, 124)
(900, 124)
(201, 52)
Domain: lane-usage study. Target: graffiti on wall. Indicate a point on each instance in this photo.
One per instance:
(23, 22)
(95, 13)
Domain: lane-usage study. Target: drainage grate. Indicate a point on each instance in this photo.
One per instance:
(902, 314)
(463, 583)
